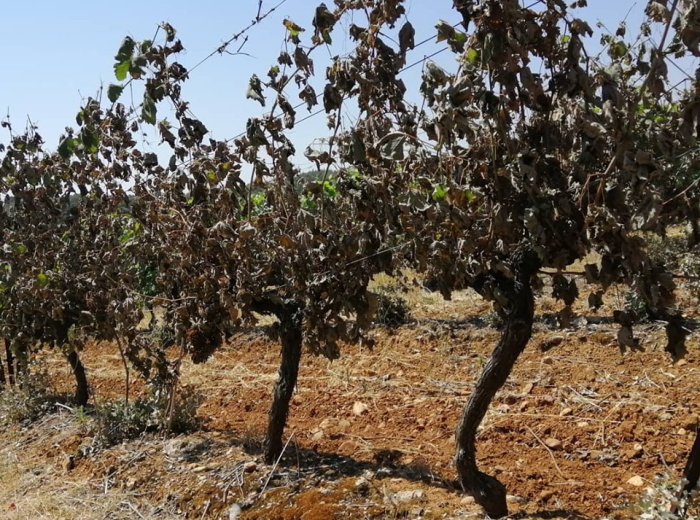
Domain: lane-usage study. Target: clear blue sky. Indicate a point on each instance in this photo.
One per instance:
(53, 54)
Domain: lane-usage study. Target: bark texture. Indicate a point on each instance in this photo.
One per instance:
(691, 472)
(3, 381)
(487, 491)
(82, 391)
(10, 362)
(290, 317)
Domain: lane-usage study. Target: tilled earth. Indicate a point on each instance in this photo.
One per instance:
(580, 430)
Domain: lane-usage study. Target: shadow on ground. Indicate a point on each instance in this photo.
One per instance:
(298, 463)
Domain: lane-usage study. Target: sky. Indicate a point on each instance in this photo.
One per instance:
(53, 55)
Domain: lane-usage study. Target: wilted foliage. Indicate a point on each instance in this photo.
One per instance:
(530, 153)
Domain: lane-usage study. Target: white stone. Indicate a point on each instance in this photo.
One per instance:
(359, 408)
(234, 511)
(636, 481)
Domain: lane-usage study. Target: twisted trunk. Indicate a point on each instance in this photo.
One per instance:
(3, 381)
(81, 389)
(82, 392)
(290, 316)
(10, 362)
(487, 491)
(691, 473)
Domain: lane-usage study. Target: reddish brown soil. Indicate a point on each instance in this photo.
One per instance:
(380, 422)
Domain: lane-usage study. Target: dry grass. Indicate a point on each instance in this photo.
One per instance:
(40, 496)
(36, 487)
(428, 304)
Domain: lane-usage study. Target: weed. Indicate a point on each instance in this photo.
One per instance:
(636, 307)
(118, 421)
(392, 310)
(161, 336)
(29, 401)
(690, 267)
(494, 320)
(660, 501)
(667, 251)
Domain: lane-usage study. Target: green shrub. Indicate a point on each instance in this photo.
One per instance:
(668, 251)
(161, 335)
(118, 420)
(662, 496)
(29, 401)
(690, 267)
(636, 307)
(392, 310)
(494, 320)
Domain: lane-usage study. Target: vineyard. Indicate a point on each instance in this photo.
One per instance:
(479, 303)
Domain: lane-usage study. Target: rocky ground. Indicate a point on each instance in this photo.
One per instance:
(580, 431)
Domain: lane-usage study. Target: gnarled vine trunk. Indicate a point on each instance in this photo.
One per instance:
(691, 473)
(10, 362)
(82, 392)
(81, 389)
(487, 491)
(289, 314)
(3, 381)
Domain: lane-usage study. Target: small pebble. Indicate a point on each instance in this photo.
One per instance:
(636, 481)
(553, 444)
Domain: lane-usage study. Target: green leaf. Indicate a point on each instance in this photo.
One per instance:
(618, 50)
(293, 28)
(121, 69)
(20, 249)
(90, 141)
(42, 279)
(472, 56)
(126, 236)
(308, 204)
(329, 189)
(149, 110)
(439, 193)
(258, 199)
(123, 58)
(67, 146)
(460, 37)
(113, 92)
(327, 37)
